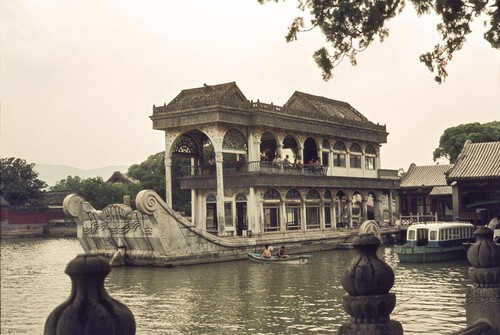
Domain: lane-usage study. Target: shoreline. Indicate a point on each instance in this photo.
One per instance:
(37, 232)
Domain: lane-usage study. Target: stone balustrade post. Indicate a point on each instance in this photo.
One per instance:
(89, 309)
(367, 281)
(482, 301)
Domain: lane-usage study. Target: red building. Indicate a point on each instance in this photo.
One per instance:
(49, 210)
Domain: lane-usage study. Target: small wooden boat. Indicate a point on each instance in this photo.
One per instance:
(435, 242)
(291, 259)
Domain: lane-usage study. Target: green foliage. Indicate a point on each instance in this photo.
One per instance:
(151, 175)
(350, 26)
(19, 182)
(181, 199)
(453, 139)
(96, 191)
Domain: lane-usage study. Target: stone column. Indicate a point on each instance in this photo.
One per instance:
(365, 210)
(378, 210)
(334, 212)
(89, 309)
(349, 212)
(482, 301)
(221, 222)
(168, 180)
(391, 212)
(368, 281)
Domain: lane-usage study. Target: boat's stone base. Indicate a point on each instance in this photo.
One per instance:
(155, 235)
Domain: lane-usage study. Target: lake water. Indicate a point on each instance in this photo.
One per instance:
(240, 297)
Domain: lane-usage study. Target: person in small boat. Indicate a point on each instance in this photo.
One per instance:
(282, 253)
(267, 252)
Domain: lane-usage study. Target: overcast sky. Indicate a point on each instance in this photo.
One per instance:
(79, 78)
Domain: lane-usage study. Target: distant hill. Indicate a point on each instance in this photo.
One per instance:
(53, 173)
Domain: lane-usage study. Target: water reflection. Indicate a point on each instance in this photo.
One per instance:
(228, 298)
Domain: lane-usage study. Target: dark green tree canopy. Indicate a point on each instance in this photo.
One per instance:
(151, 175)
(351, 25)
(453, 139)
(19, 183)
(96, 191)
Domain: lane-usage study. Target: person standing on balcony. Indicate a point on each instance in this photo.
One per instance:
(286, 161)
(211, 164)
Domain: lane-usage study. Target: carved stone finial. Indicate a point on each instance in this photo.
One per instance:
(89, 309)
(367, 274)
(367, 281)
(483, 299)
(484, 253)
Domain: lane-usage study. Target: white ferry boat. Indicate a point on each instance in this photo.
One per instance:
(435, 242)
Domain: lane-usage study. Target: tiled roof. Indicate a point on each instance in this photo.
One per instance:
(425, 176)
(477, 161)
(441, 190)
(120, 178)
(322, 108)
(207, 95)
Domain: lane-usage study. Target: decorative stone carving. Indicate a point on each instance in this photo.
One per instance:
(367, 281)
(89, 309)
(483, 300)
(148, 201)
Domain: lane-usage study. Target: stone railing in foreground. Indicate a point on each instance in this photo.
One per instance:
(89, 309)
(482, 301)
(367, 281)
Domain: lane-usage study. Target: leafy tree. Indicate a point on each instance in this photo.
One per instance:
(96, 191)
(350, 26)
(453, 139)
(151, 175)
(19, 182)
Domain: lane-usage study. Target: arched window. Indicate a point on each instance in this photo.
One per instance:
(312, 209)
(370, 155)
(271, 210)
(339, 152)
(234, 139)
(211, 213)
(327, 207)
(292, 208)
(355, 156)
(186, 145)
(241, 213)
(325, 152)
(325, 144)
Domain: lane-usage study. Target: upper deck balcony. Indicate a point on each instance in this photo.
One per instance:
(264, 173)
(256, 167)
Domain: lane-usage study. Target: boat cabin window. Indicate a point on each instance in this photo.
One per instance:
(411, 235)
(420, 235)
(433, 235)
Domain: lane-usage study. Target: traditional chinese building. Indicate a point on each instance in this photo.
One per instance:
(475, 180)
(424, 192)
(256, 168)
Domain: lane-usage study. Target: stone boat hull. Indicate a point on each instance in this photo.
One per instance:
(156, 235)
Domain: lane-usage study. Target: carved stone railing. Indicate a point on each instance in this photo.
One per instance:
(482, 301)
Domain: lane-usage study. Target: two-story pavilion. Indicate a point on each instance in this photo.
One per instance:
(310, 165)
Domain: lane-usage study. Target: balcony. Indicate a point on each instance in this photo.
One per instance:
(255, 167)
